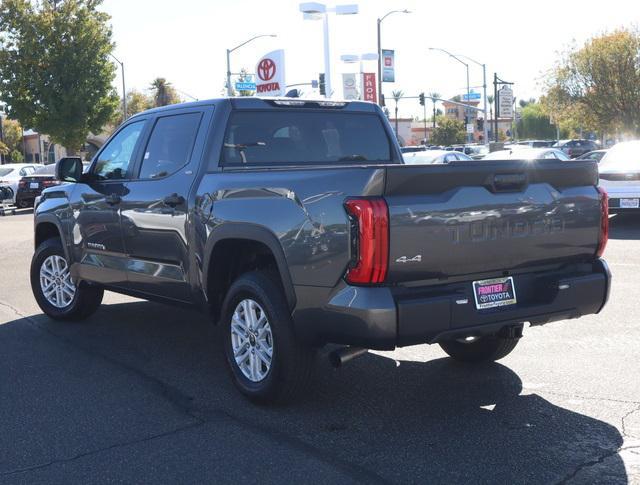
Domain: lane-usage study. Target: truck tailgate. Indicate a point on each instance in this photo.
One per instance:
(481, 217)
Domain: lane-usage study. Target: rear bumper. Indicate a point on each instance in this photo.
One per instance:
(388, 317)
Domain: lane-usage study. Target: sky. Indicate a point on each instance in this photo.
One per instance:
(185, 41)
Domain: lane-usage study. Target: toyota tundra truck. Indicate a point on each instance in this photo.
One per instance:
(294, 224)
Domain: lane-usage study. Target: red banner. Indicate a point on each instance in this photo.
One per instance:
(369, 87)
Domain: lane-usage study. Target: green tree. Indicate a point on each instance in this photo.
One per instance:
(597, 84)
(12, 134)
(434, 95)
(535, 122)
(137, 102)
(55, 75)
(490, 102)
(448, 132)
(164, 93)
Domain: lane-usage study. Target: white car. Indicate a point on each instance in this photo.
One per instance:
(11, 173)
(620, 176)
(431, 157)
(519, 152)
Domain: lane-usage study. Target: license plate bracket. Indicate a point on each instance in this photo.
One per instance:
(495, 292)
(34, 185)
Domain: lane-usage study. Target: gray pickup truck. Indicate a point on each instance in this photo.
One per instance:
(295, 224)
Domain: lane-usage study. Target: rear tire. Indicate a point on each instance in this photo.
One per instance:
(266, 362)
(63, 299)
(482, 349)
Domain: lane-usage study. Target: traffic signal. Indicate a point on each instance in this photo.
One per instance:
(323, 89)
(480, 124)
(421, 99)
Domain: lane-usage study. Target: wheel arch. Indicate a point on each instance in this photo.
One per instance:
(48, 227)
(251, 234)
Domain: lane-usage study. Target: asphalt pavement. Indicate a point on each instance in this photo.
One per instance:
(139, 393)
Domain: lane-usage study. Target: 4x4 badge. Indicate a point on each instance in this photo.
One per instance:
(415, 259)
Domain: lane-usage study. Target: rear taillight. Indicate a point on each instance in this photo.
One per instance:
(604, 221)
(22, 184)
(371, 240)
(50, 183)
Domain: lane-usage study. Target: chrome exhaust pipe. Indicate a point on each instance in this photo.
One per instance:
(339, 357)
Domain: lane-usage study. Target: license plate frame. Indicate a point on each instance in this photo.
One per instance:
(34, 185)
(629, 203)
(494, 293)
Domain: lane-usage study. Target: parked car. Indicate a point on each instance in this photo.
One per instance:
(474, 151)
(595, 155)
(575, 148)
(620, 176)
(31, 186)
(537, 143)
(411, 149)
(433, 156)
(11, 173)
(523, 153)
(295, 223)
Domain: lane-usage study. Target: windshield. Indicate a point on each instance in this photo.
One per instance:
(46, 170)
(288, 136)
(5, 171)
(622, 157)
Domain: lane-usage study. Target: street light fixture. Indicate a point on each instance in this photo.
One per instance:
(380, 50)
(466, 65)
(124, 91)
(229, 51)
(484, 94)
(360, 58)
(317, 11)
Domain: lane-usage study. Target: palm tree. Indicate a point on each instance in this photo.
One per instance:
(396, 97)
(434, 96)
(163, 92)
(490, 101)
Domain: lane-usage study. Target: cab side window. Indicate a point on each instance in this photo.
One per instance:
(170, 145)
(113, 161)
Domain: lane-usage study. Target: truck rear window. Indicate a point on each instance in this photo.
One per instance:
(304, 137)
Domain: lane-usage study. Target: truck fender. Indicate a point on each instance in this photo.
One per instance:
(251, 232)
(52, 219)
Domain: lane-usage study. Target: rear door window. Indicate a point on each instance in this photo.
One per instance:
(170, 144)
(304, 137)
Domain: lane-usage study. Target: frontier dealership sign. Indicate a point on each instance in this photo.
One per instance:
(270, 74)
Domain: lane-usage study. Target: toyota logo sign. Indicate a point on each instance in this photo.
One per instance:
(270, 74)
(266, 69)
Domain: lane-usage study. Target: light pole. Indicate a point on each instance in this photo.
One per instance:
(124, 90)
(469, 135)
(353, 58)
(229, 51)
(484, 94)
(380, 50)
(316, 11)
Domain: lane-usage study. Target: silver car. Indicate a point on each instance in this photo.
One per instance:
(620, 176)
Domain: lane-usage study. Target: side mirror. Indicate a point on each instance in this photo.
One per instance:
(69, 169)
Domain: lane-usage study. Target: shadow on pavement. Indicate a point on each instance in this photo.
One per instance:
(140, 393)
(624, 226)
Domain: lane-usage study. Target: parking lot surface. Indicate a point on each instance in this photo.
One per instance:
(139, 393)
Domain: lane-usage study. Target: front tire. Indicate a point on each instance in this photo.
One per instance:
(53, 288)
(480, 349)
(266, 362)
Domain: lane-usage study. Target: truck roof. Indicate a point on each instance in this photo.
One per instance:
(255, 102)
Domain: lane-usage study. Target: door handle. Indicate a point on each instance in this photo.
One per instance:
(173, 200)
(113, 199)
